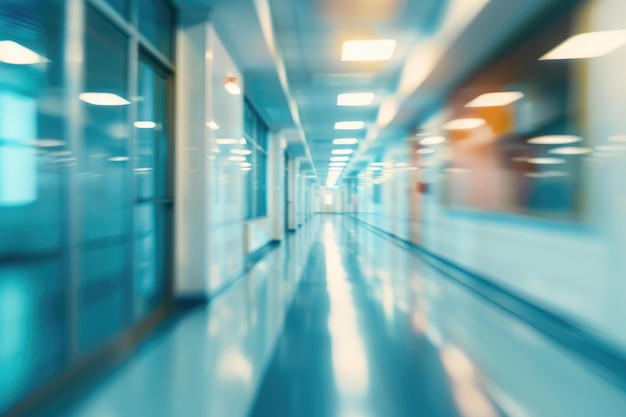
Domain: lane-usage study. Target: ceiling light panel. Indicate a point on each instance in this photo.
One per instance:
(503, 98)
(368, 50)
(588, 45)
(353, 125)
(345, 141)
(341, 151)
(339, 158)
(355, 99)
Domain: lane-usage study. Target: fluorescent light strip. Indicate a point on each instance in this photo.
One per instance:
(241, 151)
(213, 125)
(145, 124)
(13, 53)
(103, 99)
(545, 161)
(588, 45)
(554, 140)
(368, 50)
(570, 150)
(339, 158)
(345, 141)
(337, 164)
(499, 99)
(237, 158)
(349, 125)
(355, 99)
(341, 151)
(434, 140)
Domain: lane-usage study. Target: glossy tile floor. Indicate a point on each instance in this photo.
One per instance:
(340, 321)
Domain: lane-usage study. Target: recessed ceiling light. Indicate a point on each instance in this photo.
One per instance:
(349, 125)
(13, 53)
(355, 99)
(545, 161)
(245, 164)
(463, 124)
(213, 125)
(503, 98)
(103, 99)
(570, 150)
(118, 159)
(588, 45)
(337, 164)
(434, 140)
(425, 151)
(345, 141)
(339, 158)
(237, 158)
(144, 124)
(241, 151)
(341, 151)
(368, 50)
(554, 140)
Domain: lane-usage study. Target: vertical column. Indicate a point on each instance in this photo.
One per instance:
(276, 181)
(191, 100)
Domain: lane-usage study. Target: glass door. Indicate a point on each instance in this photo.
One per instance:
(152, 189)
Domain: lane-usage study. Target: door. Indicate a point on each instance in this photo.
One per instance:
(153, 188)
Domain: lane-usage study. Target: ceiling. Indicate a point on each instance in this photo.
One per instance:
(290, 54)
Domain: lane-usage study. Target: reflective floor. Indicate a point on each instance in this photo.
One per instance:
(340, 321)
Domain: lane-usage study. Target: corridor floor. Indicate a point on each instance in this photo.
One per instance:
(341, 321)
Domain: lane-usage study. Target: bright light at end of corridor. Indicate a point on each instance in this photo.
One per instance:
(588, 45)
(368, 50)
(355, 99)
(503, 98)
(13, 53)
(103, 99)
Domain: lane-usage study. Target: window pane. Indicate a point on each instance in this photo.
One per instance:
(33, 176)
(122, 6)
(156, 23)
(105, 186)
(151, 183)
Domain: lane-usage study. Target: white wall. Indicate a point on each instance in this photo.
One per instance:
(210, 188)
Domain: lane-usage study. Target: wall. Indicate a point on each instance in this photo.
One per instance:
(210, 187)
(574, 268)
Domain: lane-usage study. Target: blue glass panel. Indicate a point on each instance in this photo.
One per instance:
(156, 23)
